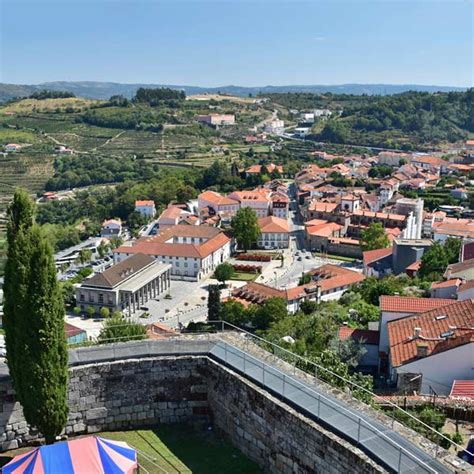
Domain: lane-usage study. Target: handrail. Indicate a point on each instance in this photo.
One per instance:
(360, 387)
(350, 415)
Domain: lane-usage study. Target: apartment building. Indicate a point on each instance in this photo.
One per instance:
(192, 251)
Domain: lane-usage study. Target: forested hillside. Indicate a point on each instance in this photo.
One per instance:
(399, 121)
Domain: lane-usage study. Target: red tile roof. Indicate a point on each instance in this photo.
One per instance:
(466, 286)
(323, 230)
(327, 277)
(368, 336)
(411, 305)
(415, 266)
(144, 203)
(441, 329)
(446, 284)
(371, 256)
(462, 389)
(273, 224)
(72, 331)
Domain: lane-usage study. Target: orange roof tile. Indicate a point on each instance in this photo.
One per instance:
(446, 284)
(273, 224)
(145, 203)
(368, 336)
(371, 256)
(462, 388)
(441, 329)
(411, 305)
(323, 230)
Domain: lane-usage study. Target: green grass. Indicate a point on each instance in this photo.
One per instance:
(177, 449)
(335, 257)
(244, 276)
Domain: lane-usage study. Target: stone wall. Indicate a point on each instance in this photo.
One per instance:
(274, 435)
(192, 389)
(119, 395)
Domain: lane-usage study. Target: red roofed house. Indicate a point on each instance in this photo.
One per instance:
(399, 307)
(146, 208)
(318, 235)
(257, 169)
(275, 233)
(210, 200)
(377, 262)
(445, 289)
(368, 339)
(171, 216)
(328, 282)
(193, 251)
(429, 350)
(259, 201)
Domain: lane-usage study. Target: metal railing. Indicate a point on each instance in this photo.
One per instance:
(316, 367)
(352, 426)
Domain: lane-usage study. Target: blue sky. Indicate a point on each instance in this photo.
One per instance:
(256, 42)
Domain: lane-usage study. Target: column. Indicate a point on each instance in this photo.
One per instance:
(129, 303)
(133, 301)
(154, 288)
(169, 278)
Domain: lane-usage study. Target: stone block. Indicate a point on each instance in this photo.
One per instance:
(95, 413)
(7, 445)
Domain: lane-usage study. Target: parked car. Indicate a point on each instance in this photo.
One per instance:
(468, 453)
(308, 257)
(299, 259)
(144, 308)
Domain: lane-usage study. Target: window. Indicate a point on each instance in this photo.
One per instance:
(82, 298)
(185, 264)
(101, 298)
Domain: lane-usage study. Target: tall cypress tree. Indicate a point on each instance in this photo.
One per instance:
(20, 215)
(34, 317)
(214, 303)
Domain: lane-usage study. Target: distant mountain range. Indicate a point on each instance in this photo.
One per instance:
(103, 90)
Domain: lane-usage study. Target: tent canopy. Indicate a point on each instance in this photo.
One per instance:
(90, 455)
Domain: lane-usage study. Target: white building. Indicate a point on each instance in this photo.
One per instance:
(12, 147)
(275, 233)
(399, 307)
(275, 126)
(192, 251)
(217, 119)
(146, 208)
(217, 202)
(429, 350)
(413, 209)
(111, 228)
(259, 201)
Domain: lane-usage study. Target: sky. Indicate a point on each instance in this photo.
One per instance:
(240, 42)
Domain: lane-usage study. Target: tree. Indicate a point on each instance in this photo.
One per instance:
(115, 242)
(76, 310)
(34, 322)
(45, 366)
(234, 313)
(119, 329)
(245, 227)
(374, 237)
(20, 216)
(223, 272)
(103, 249)
(84, 256)
(214, 303)
(104, 312)
(273, 310)
(91, 311)
(434, 262)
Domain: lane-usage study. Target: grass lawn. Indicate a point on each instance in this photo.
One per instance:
(336, 257)
(244, 276)
(177, 449)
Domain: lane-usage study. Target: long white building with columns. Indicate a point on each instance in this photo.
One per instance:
(125, 286)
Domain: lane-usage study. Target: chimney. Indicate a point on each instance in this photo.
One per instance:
(416, 333)
(421, 349)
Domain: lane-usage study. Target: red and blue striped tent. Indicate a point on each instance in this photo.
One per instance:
(90, 455)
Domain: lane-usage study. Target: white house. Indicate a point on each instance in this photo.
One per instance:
(217, 202)
(399, 307)
(12, 147)
(193, 251)
(111, 228)
(275, 233)
(259, 201)
(146, 208)
(429, 350)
